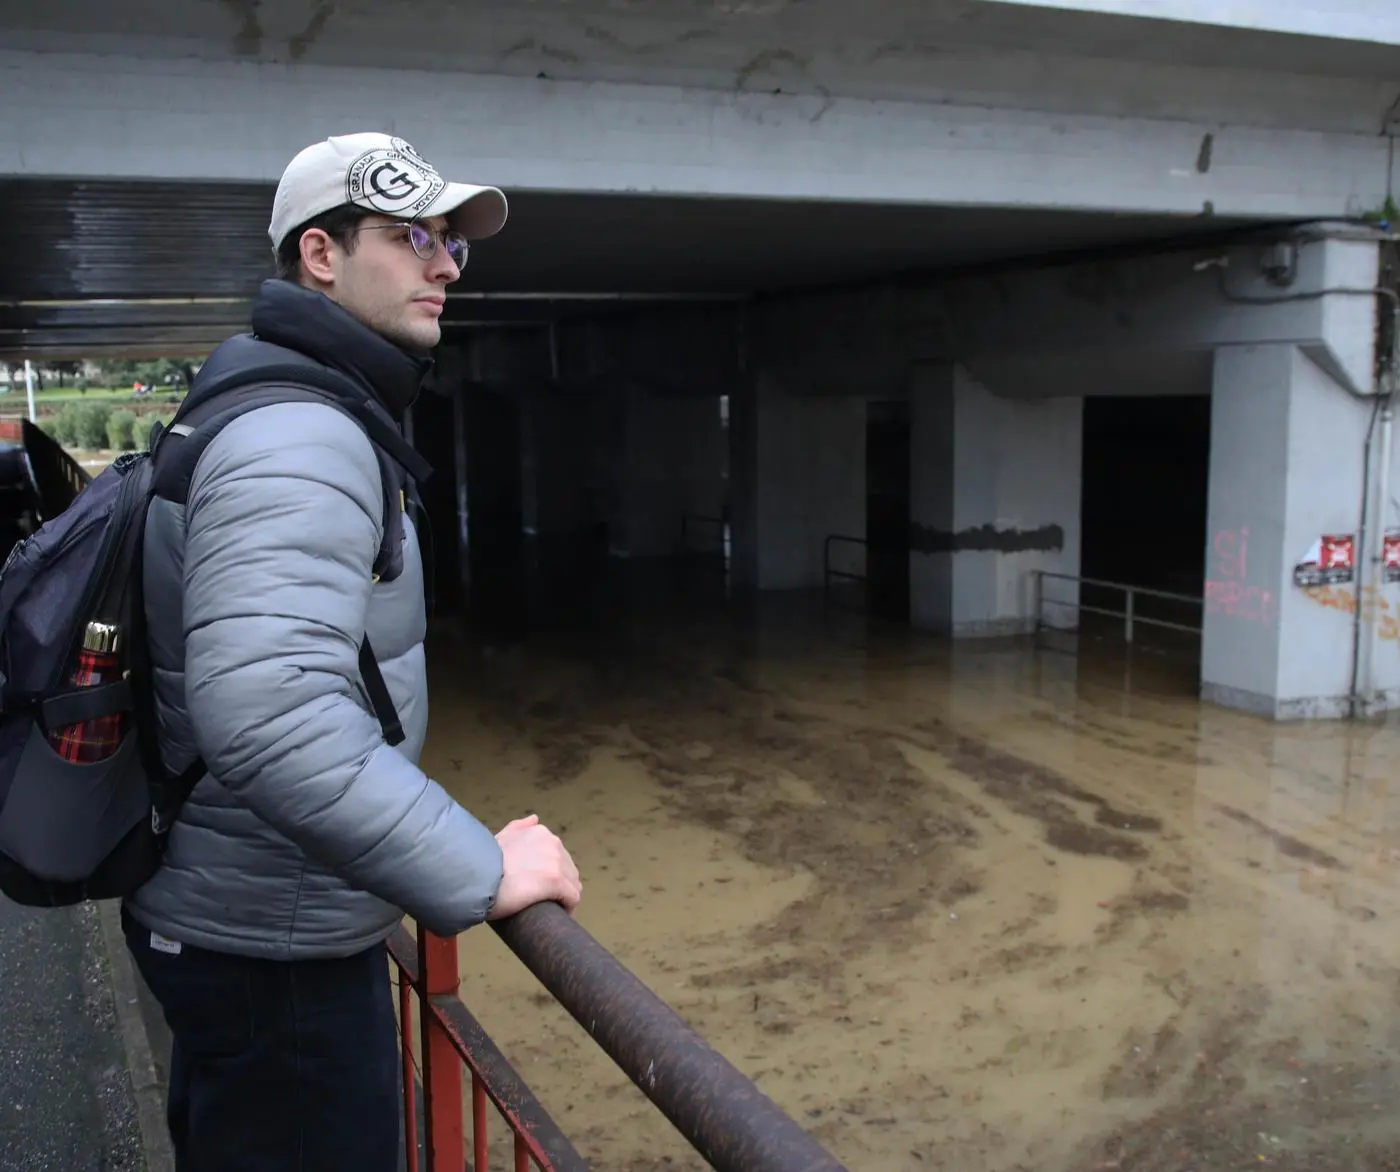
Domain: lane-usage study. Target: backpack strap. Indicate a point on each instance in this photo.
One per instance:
(86, 703)
(379, 695)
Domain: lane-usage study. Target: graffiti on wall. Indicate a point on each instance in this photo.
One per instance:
(1332, 563)
(1325, 575)
(1228, 590)
(1375, 610)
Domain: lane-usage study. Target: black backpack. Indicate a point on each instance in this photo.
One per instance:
(75, 830)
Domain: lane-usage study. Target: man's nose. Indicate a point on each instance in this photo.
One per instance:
(442, 267)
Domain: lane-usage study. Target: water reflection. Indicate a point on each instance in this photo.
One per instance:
(1002, 905)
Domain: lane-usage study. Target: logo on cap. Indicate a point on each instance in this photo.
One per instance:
(395, 180)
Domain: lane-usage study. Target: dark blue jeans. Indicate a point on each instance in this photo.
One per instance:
(277, 1066)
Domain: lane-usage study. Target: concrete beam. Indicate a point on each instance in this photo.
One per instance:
(77, 115)
(1044, 57)
(1125, 326)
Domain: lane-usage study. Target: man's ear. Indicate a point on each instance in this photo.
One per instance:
(316, 255)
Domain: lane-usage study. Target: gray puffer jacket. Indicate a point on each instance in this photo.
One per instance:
(310, 836)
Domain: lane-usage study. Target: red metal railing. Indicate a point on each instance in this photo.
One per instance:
(449, 1040)
(733, 1125)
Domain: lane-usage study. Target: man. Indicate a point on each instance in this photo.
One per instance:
(309, 837)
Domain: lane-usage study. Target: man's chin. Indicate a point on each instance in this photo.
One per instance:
(420, 336)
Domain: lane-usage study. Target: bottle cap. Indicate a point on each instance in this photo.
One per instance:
(102, 638)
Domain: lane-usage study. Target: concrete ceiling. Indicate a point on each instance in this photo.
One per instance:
(86, 267)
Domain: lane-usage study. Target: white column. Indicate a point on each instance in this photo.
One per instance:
(1286, 476)
(995, 496)
(1294, 433)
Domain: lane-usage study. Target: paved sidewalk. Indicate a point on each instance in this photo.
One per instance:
(66, 1100)
(85, 1070)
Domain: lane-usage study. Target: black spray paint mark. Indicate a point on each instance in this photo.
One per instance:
(1047, 538)
(247, 41)
(1204, 157)
(299, 44)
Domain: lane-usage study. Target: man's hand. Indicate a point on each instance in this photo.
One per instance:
(537, 869)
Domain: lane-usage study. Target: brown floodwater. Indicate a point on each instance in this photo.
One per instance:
(990, 906)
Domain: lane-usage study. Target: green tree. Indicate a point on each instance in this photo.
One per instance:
(66, 370)
(159, 372)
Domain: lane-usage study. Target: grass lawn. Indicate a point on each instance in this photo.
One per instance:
(51, 402)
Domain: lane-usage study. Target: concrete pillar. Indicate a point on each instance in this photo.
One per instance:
(994, 496)
(1286, 472)
(1298, 620)
(798, 475)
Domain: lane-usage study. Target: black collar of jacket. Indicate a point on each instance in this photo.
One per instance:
(304, 320)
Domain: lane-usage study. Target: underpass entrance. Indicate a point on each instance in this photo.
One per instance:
(1146, 465)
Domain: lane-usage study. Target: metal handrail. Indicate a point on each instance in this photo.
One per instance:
(719, 1112)
(1128, 614)
(723, 1115)
(828, 573)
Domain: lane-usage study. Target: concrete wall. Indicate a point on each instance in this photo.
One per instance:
(565, 463)
(809, 481)
(671, 464)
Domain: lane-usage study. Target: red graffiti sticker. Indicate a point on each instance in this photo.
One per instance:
(1330, 562)
(1391, 560)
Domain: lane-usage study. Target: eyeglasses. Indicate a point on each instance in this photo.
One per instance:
(424, 241)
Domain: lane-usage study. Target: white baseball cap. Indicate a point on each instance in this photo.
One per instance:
(380, 173)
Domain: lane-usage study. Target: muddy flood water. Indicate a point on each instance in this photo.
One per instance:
(1000, 906)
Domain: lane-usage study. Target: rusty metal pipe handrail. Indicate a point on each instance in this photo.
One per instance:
(724, 1116)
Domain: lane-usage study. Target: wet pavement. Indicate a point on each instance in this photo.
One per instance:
(66, 1103)
(1002, 905)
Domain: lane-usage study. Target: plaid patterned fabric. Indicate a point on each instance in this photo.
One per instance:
(90, 740)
